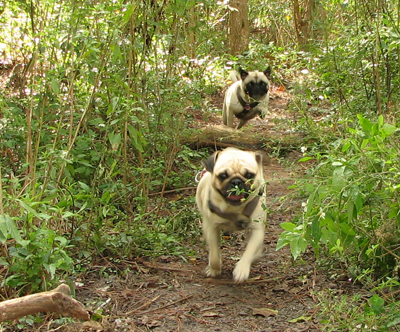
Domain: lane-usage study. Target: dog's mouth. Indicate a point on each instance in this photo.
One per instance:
(237, 190)
(236, 198)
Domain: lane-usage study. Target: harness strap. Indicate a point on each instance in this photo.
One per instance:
(246, 106)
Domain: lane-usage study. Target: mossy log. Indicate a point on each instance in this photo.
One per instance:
(222, 137)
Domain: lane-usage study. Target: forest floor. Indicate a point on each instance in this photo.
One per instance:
(168, 294)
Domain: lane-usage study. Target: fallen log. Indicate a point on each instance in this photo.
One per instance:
(222, 137)
(58, 300)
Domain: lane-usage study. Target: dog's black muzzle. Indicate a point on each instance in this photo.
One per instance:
(256, 92)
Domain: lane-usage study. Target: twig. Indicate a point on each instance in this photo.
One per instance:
(165, 268)
(198, 320)
(171, 191)
(165, 306)
(145, 305)
(247, 282)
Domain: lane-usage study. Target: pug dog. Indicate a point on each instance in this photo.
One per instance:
(230, 196)
(247, 97)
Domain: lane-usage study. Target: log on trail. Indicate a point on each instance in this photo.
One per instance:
(58, 300)
(222, 137)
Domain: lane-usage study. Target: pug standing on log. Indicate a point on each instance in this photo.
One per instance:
(247, 97)
(230, 197)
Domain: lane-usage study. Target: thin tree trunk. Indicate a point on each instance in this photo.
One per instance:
(302, 15)
(239, 30)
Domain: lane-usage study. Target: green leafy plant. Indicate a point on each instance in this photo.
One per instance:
(373, 313)
(33, 258)
(351, 200)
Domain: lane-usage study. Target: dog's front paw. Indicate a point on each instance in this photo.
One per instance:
(241, 272)
(210, 272)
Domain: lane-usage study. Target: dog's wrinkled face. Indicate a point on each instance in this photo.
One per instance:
(255, 84)
(235, 174)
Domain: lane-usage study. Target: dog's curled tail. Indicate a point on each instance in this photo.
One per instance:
(234, 76)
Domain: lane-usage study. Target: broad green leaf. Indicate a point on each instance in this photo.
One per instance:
(338, 183)
(3, 237)
(380, 120)
(8, 227)
(364, 143)
(3, 229)
(51, 268)
(394, 322)
(55, 86)
(388, 129)
(365, 124)
(305, 159)
(309, 187)
(310, 204)
(63, 241)
(137, 138)
(288, 226)
(282, 241)
(316, 229)
(84, 186)
(346, 146)
(115, 140)
(300, 319)
(127, 14)
(350, 211)
(376, 304)
(298, 245)
(347, 229)
(68, 214)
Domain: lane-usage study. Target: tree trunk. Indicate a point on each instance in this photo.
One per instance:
(58, 300)
(302, 17)
(239, 30)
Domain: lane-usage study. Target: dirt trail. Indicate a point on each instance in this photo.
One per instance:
(170, 295)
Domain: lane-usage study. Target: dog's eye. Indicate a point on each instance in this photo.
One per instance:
(249, 175)
(223, 176)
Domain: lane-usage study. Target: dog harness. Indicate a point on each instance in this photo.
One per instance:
(199, 175)
(241, 220)
(246, 106)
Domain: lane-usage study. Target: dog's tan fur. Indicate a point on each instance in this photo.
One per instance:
(233, 108)
(236, 164)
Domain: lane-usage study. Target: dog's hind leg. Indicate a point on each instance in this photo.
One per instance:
(224, 115)
(227, 116)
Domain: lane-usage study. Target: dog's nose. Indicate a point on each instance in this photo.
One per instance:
(236, 182)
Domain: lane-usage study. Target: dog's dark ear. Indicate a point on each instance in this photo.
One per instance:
(243, 74)
(209, 163)
(267, 72)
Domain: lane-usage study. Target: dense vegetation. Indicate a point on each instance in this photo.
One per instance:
(99, 95)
